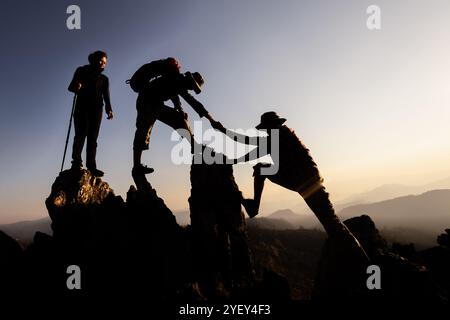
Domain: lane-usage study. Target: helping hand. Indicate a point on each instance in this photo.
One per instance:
(110, 115)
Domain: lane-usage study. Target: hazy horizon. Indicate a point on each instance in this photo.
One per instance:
(372, 106)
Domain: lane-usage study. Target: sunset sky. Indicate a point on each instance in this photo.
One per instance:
(373, 106)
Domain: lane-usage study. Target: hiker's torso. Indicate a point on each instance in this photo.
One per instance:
(164, 88)
(93, 85)
(296, 167)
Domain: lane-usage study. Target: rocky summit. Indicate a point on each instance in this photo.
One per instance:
(103, 245)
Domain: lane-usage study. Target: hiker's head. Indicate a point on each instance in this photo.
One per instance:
(195, 81)
(98, 59)
(270, 120)
(174, 65)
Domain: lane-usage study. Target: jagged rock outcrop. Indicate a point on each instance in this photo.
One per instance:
(437, 260)
(221, 255)
(125, 248)
(11, 263)
(135, 248)
(75, 187)
(400, 277)
(444, 239)
(120, 246)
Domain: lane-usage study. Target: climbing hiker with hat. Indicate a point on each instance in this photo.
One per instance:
(157, 82)
(297, 171)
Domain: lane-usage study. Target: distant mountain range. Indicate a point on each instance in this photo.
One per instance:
(269, 223)
(413, 218)
(381, 193)
(307, 221)
(429, 211)
(391, 191)
(421, 217)
(23, 231)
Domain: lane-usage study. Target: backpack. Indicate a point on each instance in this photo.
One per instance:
(150, 71)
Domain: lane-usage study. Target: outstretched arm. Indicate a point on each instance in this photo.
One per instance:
(238, 137)
(241, 138)
(254, 154)
(252, 205)
(195, 104)
(250, 156)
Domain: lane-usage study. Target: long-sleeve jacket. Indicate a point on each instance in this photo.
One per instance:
(94, 88)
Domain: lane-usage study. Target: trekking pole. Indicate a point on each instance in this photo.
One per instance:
(68, 132)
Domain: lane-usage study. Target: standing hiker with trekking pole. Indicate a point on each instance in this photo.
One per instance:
(91, 89)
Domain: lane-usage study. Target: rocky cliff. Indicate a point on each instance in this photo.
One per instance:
(134, 248)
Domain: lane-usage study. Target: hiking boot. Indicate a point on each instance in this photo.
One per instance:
(250, 207)
(96, 173)
(141, 169)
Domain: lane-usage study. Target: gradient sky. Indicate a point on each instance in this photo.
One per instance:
(373, 106)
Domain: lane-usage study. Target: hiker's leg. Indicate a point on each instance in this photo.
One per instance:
(94, 121)
(342, 268)
(80, 124)
(319, 202)
(137, 155)
(175, 119)
(144, 124)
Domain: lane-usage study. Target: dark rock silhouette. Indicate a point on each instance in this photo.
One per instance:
(291, 253)
(407, 251)
(444, 239)
(124, 248)
(221, 252)
(129, 245)
(11, 263)
(437, 260)
(135, 248)
(401, 278)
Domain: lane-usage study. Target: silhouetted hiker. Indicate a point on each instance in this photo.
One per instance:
(297, 171)
(91, 88)
(157, 82)
(221, 253)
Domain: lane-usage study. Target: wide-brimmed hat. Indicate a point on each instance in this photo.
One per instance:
(270, 119)
(196, 81)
